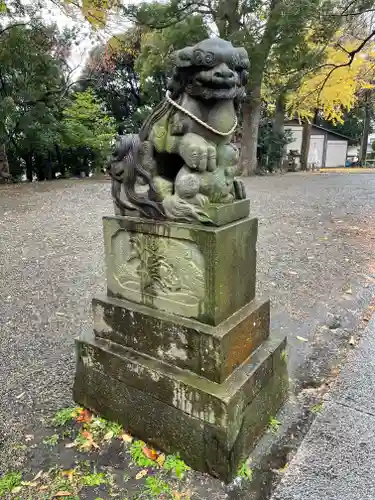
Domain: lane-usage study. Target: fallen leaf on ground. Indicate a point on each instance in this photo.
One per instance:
(71, 445)
(89, 443)
(76, 412)
(68, 474)
(38, 475)
(141, 474)
(62, 494)
(108, 436)
(126, 437)
(85, 417)
(302, 339)
(30, 484)
(160, 460)
(150, 453)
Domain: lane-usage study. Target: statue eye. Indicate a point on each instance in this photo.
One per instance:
(209, 58)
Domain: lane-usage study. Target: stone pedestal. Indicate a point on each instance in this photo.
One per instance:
(180, 353)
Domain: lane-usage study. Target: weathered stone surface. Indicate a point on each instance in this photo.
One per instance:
(211, 351)
(227, 213)
(222, 455)
(146, 417)
(183, 151)
(139, 398)
(204, 273)
(219, 404)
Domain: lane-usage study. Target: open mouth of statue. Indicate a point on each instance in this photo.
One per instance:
(216, 83)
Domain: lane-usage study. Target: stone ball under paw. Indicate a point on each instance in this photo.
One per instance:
(187, 186)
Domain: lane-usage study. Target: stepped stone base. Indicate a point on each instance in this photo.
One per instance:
(180, 352)
(211, 351)
(213, 426)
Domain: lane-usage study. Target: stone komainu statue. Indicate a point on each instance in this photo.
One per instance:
(183, 154)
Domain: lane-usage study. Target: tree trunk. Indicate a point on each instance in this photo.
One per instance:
(40, 167)
(252, 108)
(366, 131)
(306, 136)
(250, 130)
(277, 145)
(28, 158)
(4, 165)
(49, 167)
(60, 160)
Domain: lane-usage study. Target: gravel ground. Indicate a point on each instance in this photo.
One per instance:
(316, 258)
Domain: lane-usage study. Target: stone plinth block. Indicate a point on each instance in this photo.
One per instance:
(211, 351)
(221, 214)
(213, 426)
(200, 272)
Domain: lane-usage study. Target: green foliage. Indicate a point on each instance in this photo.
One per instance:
(52, 440)
(245, 472)
(87, 125)
(174, 464)
(130, 72)
(104, 429)
(352, 125)
(156, 486)
(32, 65)
(137, 455)
(8, 482)
(63, 416)
(274, 425)
(317, 408)
(271, 144)
(154, 61)
(29, 74)
(93, 479)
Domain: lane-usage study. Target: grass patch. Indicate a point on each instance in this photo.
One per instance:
(156, 475)
(64, 416)
(173, 463)
(138, 457)
(318, 407)
(93, 479)
(274, 425)
(51, 441)
(245, 472)
(156, 486)
(9, 482)
(284, 355)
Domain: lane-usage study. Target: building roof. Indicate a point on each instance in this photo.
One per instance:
(296, 122)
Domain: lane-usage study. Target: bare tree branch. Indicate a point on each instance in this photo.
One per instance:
(350, 4)
(10, 26)
(353, 14)
(351, 55)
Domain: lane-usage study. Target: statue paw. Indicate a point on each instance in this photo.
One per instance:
(239, 189)
(201, 200)
(197, 153)
(203, 157)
